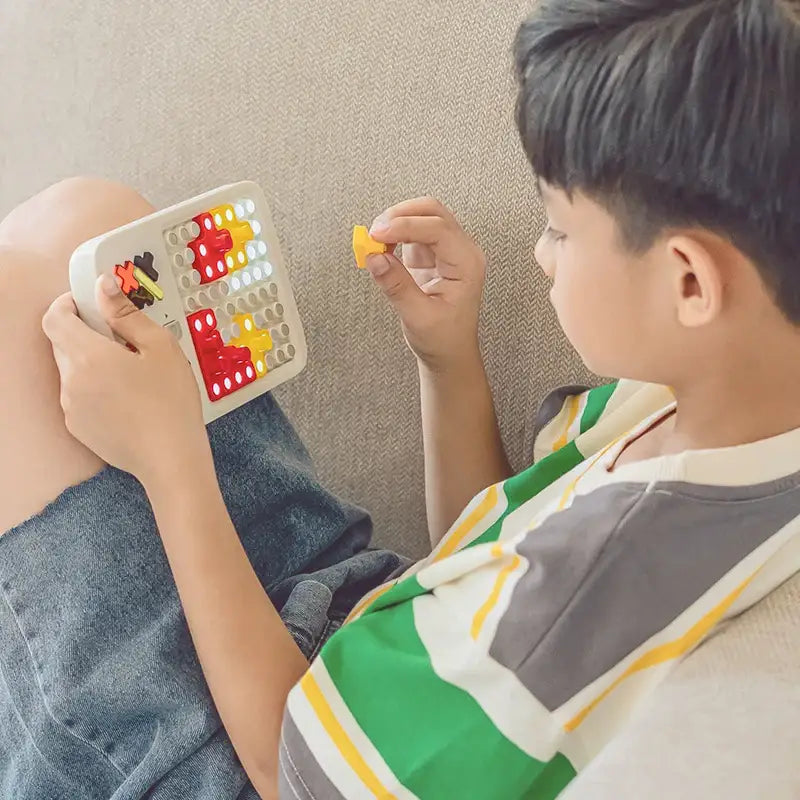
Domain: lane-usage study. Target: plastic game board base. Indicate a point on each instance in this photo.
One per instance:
(211, 270)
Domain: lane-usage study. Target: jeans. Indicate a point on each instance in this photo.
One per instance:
(101, 693)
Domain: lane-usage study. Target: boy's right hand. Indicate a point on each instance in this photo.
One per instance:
(437, 288)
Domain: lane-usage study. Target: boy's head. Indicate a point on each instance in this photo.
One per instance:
(666, 138)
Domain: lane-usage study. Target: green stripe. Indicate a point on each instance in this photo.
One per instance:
(596, 404)
(523, 487)
(434, 736)
(557, 773)
(399, 593)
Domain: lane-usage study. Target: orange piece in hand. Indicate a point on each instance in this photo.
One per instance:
(364, 245)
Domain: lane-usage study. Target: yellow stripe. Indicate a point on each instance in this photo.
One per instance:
(151, 286)
(340, 738)
(491, 601)
(369, 600)
(667, 651)
(466, 527)
(574, 404)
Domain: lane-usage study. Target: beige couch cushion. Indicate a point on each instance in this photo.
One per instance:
(339, 109)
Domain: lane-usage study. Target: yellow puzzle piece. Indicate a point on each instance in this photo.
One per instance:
(258, 341)
(151, 286)
(241, 233)
(364, 245)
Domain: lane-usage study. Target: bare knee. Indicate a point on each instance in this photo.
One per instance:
(40, 457)
(58, 219)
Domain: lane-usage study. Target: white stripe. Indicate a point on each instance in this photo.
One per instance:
(575, 429)
(459, 660)
(623, 392)
(465, 564)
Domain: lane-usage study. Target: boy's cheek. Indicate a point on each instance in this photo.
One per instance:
(569, 313)
(587, 325)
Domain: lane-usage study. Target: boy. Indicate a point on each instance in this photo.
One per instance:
(554, 603)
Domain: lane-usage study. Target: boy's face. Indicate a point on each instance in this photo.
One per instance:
(610, 303)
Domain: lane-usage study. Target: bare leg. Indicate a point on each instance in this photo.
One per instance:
(38, 457)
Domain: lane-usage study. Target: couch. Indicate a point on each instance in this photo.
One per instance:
(340, 109)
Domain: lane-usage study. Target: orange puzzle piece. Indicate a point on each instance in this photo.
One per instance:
(364, 245)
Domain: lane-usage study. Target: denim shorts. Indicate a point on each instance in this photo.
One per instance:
(101, 693)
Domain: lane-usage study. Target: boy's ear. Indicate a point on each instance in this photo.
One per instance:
(697, 279)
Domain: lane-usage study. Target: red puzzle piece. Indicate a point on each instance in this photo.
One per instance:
(239, 365)
(125, 278)
(225, 368)
(210, 249)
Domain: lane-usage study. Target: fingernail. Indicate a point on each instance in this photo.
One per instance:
(380, 225)
(108, 283)
(378, 265)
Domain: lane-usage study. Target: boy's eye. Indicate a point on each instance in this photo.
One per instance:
(554, 235)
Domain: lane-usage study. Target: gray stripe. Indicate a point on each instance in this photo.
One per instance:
(618, 566)
(552, 404)
(300, 777)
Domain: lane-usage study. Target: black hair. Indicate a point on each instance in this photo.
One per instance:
(672, 113)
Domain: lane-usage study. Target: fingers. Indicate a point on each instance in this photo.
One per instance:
(65, 330)
(431, 235)
(122, 315)
(428, 230)
(397, 284)
(437, 287)
(418, 256)
(437, 233)
(432, 239)
(419, 207)
(422, 276)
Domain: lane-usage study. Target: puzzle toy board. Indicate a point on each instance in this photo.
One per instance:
(211, 271)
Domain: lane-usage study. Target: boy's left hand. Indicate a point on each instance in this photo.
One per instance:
(139, 411)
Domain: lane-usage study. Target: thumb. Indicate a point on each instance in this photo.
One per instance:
(397, 284)
(121, 314)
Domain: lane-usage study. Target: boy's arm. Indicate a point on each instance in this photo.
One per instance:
(436, 290)
(248, 657)
(463, 449)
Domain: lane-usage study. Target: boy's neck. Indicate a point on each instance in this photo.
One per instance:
(756, 399)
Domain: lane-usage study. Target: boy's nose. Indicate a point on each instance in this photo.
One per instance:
(543, 255)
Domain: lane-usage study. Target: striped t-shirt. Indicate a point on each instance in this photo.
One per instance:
(500, 665)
